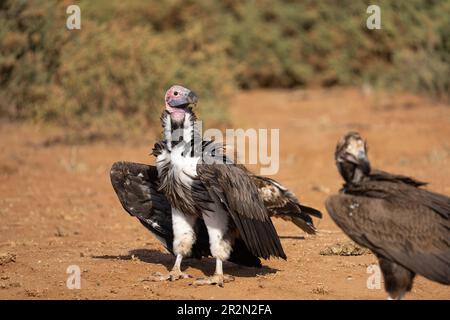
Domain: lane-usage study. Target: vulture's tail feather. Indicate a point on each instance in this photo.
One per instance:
(301, 218)
(311, 211)
(306, 226)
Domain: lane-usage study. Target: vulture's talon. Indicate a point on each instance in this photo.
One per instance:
(171, 276)
(158, 276)
(176, 275)
(217, 279)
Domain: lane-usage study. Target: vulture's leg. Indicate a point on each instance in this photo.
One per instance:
(184, 239)
(176, 272)
(397, 280)
(217, 225)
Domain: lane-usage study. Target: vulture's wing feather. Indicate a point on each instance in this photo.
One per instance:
(241, 255)
(311, 211)
(379, 175)
(402, 194)
(232, 188)
(136, 186)
(408, 233)
(280, 202)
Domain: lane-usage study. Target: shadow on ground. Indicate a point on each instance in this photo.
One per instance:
(292, 237)
(206, 265)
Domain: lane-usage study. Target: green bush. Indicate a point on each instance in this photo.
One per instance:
(115, 70)
(30, 47)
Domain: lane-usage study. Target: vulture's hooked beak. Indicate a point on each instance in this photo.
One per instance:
(192, 98)
(359, 159)
(184, 100)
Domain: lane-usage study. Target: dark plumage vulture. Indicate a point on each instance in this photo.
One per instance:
(405, 226)
(198, 203)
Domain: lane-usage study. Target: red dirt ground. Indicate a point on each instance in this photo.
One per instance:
(57, 207)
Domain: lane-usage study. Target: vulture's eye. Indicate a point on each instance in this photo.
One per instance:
(175, 93)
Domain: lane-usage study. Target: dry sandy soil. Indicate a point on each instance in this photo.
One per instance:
(57, 207)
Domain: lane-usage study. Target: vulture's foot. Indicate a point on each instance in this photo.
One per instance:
(216, 279)
(171, 276)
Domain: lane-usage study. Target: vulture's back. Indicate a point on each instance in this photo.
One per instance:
(398, 221)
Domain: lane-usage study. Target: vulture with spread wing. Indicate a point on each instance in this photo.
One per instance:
(198, 203)
(137, 187)
(405, 226)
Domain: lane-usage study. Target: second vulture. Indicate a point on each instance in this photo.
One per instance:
(404, 225)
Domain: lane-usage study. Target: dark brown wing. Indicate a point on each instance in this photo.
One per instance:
(136, 186)
(402, 194)
(409, 234)
(280, 202)
(232, 188)
(378, 175)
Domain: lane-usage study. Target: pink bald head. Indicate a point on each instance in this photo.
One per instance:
(177, 101)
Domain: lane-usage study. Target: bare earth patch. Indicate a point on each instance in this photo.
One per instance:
(58, 209)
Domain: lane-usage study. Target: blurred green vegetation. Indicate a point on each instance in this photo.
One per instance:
(115, 70)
